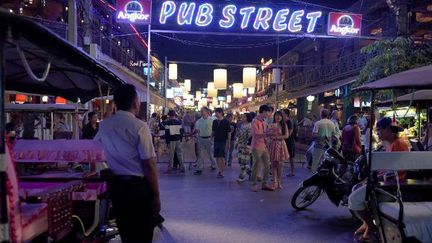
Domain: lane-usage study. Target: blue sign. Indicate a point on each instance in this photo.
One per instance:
(199, 15)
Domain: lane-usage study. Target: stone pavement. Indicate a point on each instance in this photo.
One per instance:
(205, 209)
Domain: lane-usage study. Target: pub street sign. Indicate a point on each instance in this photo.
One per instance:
(236, 16)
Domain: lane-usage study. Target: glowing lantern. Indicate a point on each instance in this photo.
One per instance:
(310, 98)
(249, 77)
(229, 98)
(45, 99)
(237, 90)
(172, 71)
(251, 90)
(188, 84)
(245, 92)
(276, 76)
(20, 98)
(60, 100)
(198, 95)
(215, 100)
(220, 78)
(211, 91)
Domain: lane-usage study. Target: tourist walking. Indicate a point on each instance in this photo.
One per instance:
(243, 147)
(231, 144)
(278, 133)
(351, 143)
(335, 118)
(221, 135)
(260, 153)
(290, 141)
(173, 136)
(133, 185)
(203, 130)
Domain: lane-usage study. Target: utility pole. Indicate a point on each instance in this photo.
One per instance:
(165, 82)
(72, 23)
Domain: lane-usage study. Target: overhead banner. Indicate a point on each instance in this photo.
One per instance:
(243, 16)
(135, 12)
(344, 24)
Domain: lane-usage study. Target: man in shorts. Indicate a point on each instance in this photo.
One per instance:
(221, 135)
(387, 132)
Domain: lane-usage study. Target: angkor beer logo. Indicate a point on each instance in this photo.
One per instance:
(345, 25)
(133, 11)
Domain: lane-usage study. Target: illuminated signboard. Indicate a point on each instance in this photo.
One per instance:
(138, 12)
(344, 24)
(232, 16)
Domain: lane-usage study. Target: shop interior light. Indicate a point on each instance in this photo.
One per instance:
(172, 71)
(251, 91)
(245, 92)
(20, 98)
(45, 99)
(310, 98)
(220, 79)
(237, 90)
(60, 100)
(170, 93)
(249, 77)
(198, 95)
(229, 98)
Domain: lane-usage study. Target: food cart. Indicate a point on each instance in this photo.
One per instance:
(35, 60)
(402, 209)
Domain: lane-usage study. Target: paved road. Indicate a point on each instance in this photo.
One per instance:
(205, 209)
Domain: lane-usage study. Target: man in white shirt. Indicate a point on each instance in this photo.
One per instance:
(131, 157)
(203, 129)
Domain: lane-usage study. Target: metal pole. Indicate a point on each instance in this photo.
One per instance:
(166, 81)
(148, 70)
(4, 227)
(277, 84)
(72, 23)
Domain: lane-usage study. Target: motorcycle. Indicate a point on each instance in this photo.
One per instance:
(335, 176)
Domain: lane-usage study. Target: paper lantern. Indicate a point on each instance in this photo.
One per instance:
(215, 100)
(172, 71)
(211, 91)
(229, 98)
(20, 98)
(188, 84)
(245, 92)
(238, 90)
(251, 91)
(276, 76)
(249, 77)
(60, 100)
(203, 102)
(198, 95)
(220, 78)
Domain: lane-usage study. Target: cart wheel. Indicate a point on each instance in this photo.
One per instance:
(305, 196)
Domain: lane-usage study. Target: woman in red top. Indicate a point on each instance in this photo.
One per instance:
(351, 144)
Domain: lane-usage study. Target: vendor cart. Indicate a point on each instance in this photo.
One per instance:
(35, 60)
(401, 208)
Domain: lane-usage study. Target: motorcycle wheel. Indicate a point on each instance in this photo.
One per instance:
(305, 196)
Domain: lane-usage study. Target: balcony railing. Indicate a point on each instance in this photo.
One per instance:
(345, 67)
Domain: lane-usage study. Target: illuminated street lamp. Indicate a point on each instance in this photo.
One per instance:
(249, 77)
(220, 79)
(237, 90)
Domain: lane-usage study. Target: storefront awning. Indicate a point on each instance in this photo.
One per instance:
(319, 89)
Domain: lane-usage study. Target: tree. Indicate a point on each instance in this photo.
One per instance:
(393, 56)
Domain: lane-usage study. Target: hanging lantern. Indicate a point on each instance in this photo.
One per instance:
(310, 98)
(203, 102)
(20, 98)
(220, 78)
(211, 91)
(188, 84)
(276, 76)
(198, 95)
(229, 98)
(215, 100)
(60, 100)
(251, 91)
(249, 77)
(172, 71)
(245, 92)
(238, 90)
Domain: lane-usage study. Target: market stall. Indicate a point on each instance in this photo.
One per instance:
(35, 60)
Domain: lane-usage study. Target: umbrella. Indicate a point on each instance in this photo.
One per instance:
(420, 97)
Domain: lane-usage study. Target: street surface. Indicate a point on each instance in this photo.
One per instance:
(205, 209)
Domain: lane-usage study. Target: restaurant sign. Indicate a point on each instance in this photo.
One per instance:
(344, 24)
(138, 12)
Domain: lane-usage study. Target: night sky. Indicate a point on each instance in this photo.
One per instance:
(263, 46)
